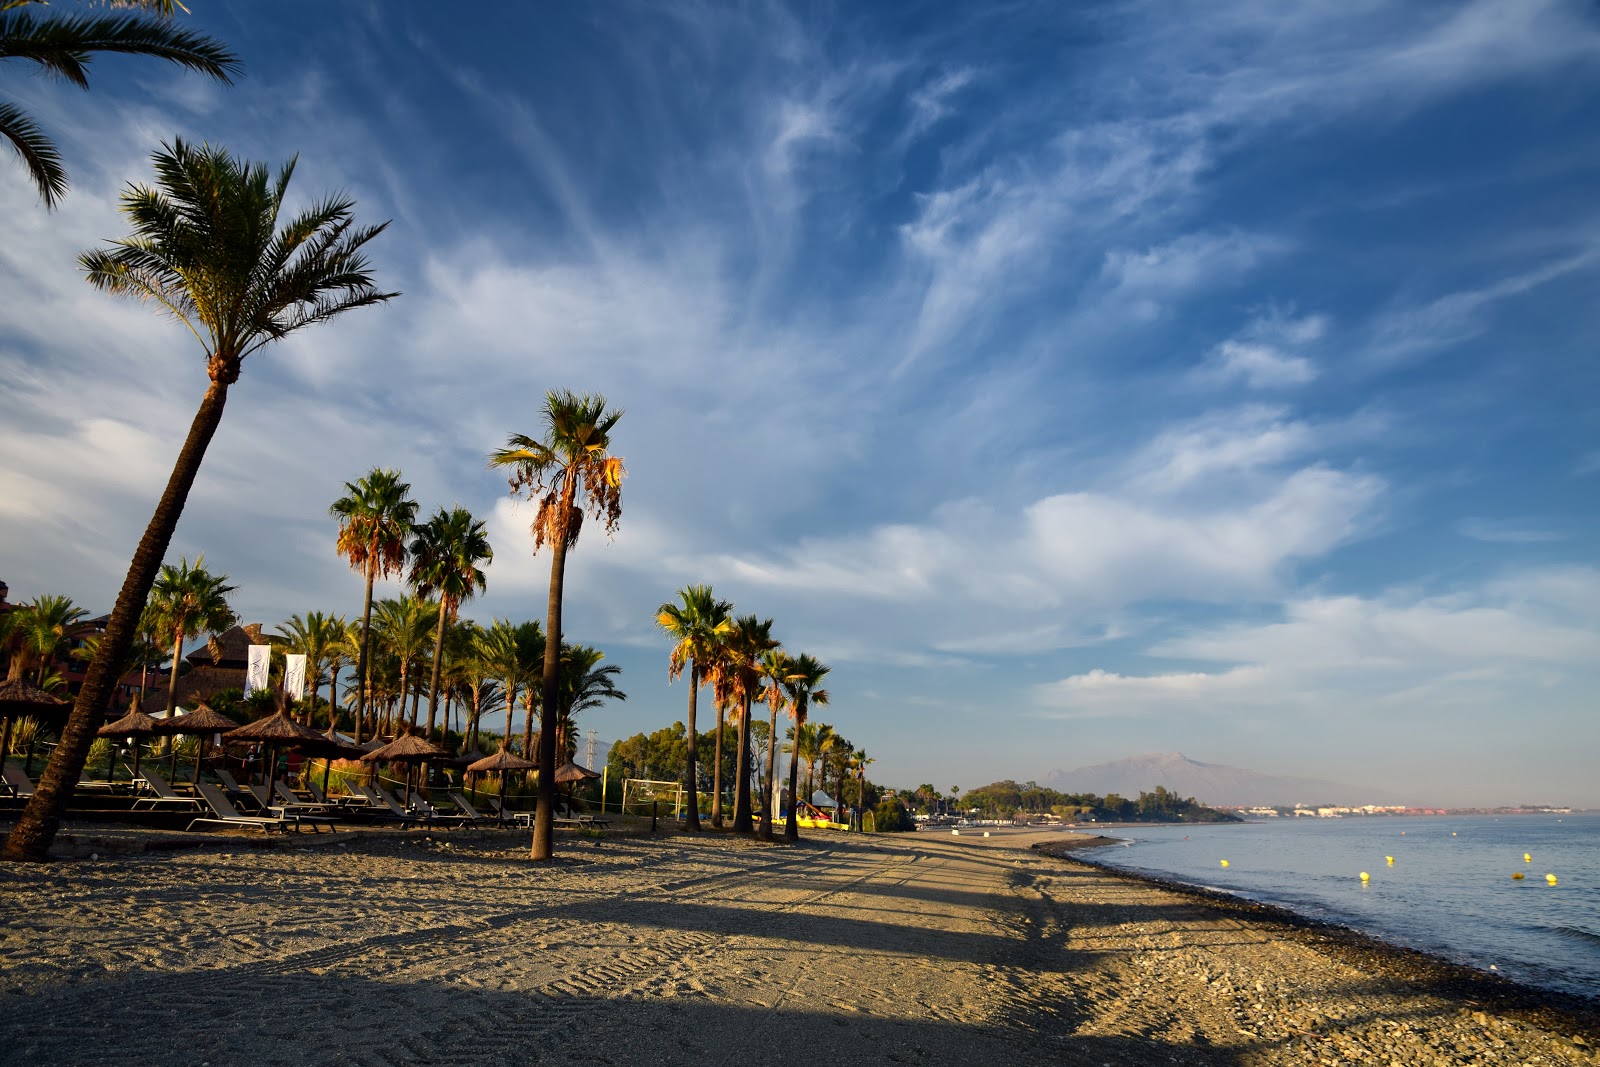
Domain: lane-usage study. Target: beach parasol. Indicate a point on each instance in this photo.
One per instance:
(18, 697)
(570, 772)
(500, 763)
(408, 749)
(202, 720)
(276, 731)
(134, 725)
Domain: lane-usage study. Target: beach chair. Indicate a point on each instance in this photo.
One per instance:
(164, 797)
(473, 814)
(430, 814)
(17, 783)
(223, 813)
(290, 802)
(383, 807)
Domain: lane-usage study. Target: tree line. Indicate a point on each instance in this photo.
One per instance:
(1007, 799)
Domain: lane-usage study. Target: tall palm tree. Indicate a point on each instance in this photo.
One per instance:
(445, 554)
(48, 624)
(187, 601)
(697, 624)
(737, 679)
(63, 45)
(375, 517)
(342, 650)
(404, 627)
(570, 472)
(861, 762)
(802, 686)
(775, 667)
(207, 248)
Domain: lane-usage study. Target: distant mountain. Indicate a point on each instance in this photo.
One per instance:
(1209, 783)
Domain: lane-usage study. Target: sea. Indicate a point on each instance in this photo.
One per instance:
(1448, 891)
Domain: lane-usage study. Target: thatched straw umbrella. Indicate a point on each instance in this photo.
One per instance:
(569, 773)
(19, 697)
(409, 750)
(134, 725)
(276, 731)
(201, 721)
(500, 763)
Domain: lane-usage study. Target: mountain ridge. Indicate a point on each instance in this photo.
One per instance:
(1215, 784)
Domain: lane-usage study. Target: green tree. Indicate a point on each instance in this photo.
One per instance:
(570, 472)
(586, 684)
(64, 45)
(187, 601)
(513, 653)
(320, 638)
(444, 561)
(375, 517)
(738, 677)
(698, 624)
(207, 248)
(775, 669)
(47, 625)
(404, 627)
(802, 684)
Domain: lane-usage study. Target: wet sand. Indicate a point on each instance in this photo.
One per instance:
(449, 947)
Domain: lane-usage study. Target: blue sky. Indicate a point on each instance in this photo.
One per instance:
(1078, 381)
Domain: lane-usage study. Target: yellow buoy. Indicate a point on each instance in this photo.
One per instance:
(1390, 860)
(1516, 876)
(1224, 863)
(1365, 877)
(1527, 857)
(1550, 878)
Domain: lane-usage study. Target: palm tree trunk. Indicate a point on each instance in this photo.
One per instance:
(743, 823)
(36, 828)
(766, 786)
(544, 819)
(433, 682)
(716, 773)
(366, 638)
(511, 707)
(333, 698)
(177, 658)
(527, 724)
(791, 827)
(692, 817)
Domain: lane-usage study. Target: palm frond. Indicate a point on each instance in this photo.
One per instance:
(63, 45)
(38, 153)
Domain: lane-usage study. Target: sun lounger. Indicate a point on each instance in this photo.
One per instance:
(225, 814)
(383, 807)
(468, 810)
(290, 802)
(430, 814)
(164, 795)
(17, 782)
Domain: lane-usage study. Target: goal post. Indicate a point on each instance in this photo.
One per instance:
(639, 793)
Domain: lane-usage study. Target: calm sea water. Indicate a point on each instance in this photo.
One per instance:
(1449, 890)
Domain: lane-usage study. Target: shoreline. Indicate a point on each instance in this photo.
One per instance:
(1538, 1005)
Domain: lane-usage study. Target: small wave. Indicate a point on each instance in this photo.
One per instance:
(1576, 933)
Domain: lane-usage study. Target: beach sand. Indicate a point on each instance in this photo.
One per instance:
(404, 947)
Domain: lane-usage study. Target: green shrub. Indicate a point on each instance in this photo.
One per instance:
(891, 817)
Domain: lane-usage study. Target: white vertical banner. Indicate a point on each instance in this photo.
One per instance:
(256, 677)
(294, 675)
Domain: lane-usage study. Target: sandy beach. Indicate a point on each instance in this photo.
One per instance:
(448, 947)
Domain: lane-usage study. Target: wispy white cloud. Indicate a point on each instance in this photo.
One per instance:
(1507, 531)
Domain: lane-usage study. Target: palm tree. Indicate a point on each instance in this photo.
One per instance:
(48, 624)
(375, 516)
(206, 247)
(405, 628)
(62, 45)
(187, 601)
(861, 762)
(801, 684)
(698, 624)
(341, 650)
(445, 554)
(569, 472)
(585, 685)
(512, 652)
(775, 667)
(317, 637)
(737, 679)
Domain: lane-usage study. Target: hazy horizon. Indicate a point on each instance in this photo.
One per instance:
(1077, 382)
